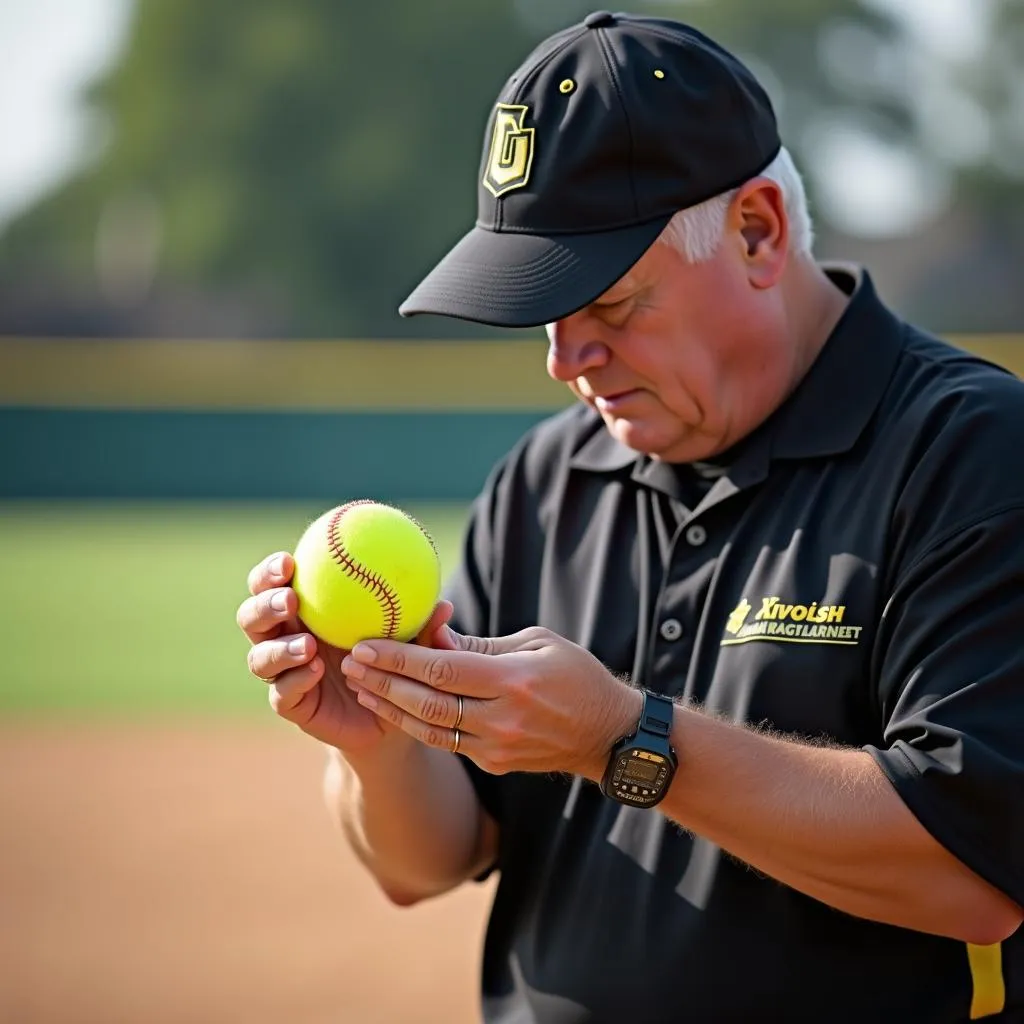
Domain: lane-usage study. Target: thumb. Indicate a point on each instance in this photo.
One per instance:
(436, 633)
(441, 637)
(492, 645)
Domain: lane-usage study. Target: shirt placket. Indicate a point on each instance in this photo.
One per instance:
(676, 610)
(688, 568)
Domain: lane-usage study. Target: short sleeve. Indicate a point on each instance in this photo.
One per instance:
(950, 672)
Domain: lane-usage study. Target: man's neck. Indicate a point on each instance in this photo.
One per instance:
(816, 305)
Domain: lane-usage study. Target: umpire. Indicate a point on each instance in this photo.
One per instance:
(734, 672)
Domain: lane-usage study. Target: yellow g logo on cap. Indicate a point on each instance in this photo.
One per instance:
(511, 154)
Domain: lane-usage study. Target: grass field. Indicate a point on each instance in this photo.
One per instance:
(129, 609)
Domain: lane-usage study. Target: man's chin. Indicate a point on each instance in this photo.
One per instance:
(638, 436)
(657, 444)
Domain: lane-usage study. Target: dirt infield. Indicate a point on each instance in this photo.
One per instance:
(157, 873)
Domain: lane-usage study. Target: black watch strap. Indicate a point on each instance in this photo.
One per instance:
(657, 715)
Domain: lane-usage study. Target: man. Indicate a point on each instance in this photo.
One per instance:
(732, 691)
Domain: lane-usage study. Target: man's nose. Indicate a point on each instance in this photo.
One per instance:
(573, 348)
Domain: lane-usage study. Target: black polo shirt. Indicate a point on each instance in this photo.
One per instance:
(856, 573)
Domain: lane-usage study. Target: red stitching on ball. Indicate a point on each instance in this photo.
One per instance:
(423, 530)
(386, 595)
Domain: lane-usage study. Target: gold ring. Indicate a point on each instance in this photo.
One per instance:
(458, 717)
(455, 742)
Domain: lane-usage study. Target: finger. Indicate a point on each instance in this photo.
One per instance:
(274, 571)
(430, 735)
(475, 672)
(292, 694)
(430, 706)
(269, 658)
(257, 616)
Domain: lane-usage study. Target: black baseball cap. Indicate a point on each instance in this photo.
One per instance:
(607, 130)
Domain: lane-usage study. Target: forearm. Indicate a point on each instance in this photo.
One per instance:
(411, 817)
(828, 823)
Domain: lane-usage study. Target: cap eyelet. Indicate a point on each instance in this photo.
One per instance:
(566, 86)
(658, 73)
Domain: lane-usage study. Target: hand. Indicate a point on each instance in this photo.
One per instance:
(531, 702)
(304, 674)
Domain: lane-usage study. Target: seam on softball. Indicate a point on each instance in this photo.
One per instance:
(423, 530)
(386, 595)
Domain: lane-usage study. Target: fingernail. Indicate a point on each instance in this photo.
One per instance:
(297, 646)
(276, 566)
(366, 699)
(365, 653)
(279, 602)
(352, 668)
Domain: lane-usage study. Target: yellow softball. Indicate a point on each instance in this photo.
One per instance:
(366, 570)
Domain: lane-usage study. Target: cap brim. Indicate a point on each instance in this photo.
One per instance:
(508, 279)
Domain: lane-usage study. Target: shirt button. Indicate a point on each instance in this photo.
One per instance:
(671, 629)
(696, 535)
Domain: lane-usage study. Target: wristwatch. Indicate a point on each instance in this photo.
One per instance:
(643, 763)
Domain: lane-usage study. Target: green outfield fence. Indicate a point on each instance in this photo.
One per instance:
(316, 420)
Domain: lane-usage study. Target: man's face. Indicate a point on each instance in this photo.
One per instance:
(681, 360)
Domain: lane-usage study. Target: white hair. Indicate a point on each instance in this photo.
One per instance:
(697, 232)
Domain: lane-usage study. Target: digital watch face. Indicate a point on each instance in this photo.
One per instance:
(639, 777)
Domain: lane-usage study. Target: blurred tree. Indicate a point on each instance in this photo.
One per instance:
(318, 157)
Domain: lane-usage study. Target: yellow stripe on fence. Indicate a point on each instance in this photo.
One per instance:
(308, 376)
(1005, 349)
(278, 375)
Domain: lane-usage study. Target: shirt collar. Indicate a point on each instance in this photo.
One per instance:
(826, 413)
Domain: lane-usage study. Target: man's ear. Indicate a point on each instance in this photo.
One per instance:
(757, 215)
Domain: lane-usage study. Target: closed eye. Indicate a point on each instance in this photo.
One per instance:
(615, 313)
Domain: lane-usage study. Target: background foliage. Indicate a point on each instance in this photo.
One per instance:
(294, 166)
